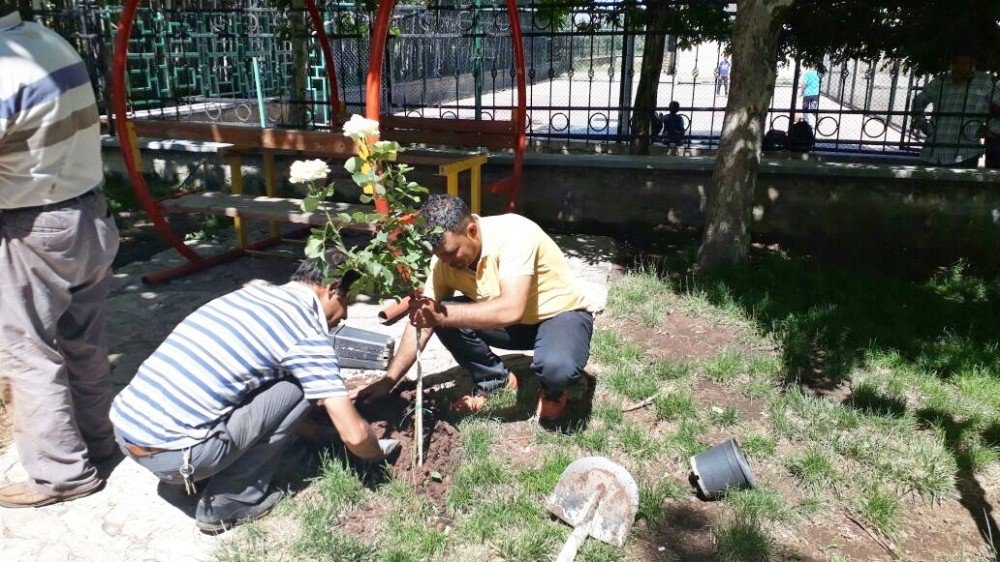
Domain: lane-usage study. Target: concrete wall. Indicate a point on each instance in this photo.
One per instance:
(937, 214)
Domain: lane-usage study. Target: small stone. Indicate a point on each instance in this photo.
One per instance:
(717, 409)
(661, 548)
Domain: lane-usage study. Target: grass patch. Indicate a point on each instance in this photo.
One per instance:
(725, 366)
(653, 497)
(477, 436)
(251, 546)
(670, 370)
(758, 445)
(610, 413)
(475, 479)
(674, 406)
(542, 480)
(594, 440)
(686, 441)
(608, 348)
(642, 295)
(742, 542)
(636, 442)
(631, 381)
(880, 508)
(724, 418)
(813, 468)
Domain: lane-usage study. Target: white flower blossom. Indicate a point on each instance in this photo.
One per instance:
(359, 128)
(305, 171)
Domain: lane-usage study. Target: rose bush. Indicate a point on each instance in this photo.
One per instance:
(395, 260)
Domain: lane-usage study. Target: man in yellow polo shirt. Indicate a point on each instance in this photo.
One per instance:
(517, 293)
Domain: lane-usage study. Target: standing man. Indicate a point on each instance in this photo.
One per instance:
(518, 293)
(722, 77)
(810, 96)
(963, 102)
(221, 398)
(57, 242)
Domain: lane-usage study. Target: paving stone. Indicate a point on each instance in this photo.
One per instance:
(137, 518)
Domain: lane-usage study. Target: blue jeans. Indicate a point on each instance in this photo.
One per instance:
(561, 345)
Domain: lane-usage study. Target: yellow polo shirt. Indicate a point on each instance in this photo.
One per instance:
(513, 246)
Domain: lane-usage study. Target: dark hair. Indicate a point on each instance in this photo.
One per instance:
(674, 107)
(444, 211)
(312, 272)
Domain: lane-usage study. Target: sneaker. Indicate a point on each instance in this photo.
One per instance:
(21, 495)
(471, 403)
(551, 409)
(215, 515)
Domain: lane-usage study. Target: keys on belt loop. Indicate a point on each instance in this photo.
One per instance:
(187, 471)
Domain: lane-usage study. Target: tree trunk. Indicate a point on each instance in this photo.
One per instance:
(726, 240)
(644, 108)
(297, 107)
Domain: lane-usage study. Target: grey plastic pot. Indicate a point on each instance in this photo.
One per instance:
(720, 468)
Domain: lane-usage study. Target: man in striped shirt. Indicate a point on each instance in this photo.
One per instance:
(221, 398)
(57, 243)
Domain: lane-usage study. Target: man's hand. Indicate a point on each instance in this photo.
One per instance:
(376, 390)
(922, 126)
(427, 313)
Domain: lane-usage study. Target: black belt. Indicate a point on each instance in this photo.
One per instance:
(55, 206)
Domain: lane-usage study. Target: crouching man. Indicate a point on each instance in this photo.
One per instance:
(220, 399)
(518, 293)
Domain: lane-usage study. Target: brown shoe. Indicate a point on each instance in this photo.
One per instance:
(21, 495)
(471, 403)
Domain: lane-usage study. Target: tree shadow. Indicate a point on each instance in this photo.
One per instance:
(972, 496)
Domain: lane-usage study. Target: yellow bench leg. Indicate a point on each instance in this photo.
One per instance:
(271, 190)
(236, 172)
(475, 187)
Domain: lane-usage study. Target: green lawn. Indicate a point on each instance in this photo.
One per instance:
(866, 401)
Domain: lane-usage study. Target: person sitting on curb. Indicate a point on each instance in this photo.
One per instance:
(519, 294)
(221, 398)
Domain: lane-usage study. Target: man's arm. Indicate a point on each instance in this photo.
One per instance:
(500, 312)
(354, 431)
(401, 362)
(920, 103)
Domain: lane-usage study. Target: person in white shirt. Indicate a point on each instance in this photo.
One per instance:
(57, 244)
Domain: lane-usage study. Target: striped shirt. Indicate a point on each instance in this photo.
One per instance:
(960, 110)
(220, 354)
(50, 142)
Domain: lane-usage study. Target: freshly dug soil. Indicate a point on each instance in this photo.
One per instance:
(392, 418)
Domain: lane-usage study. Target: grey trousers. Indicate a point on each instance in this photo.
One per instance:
(242, 453)
(55, 269)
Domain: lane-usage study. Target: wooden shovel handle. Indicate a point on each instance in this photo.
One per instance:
(574, 542)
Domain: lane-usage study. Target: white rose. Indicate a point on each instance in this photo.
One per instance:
(359, 128)
(305, 171)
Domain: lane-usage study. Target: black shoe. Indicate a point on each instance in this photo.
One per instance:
(215, 515)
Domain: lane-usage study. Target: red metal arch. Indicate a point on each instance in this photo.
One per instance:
(130, 149)
(373, 89)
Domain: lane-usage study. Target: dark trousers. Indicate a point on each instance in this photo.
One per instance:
(810, 107)
(561, 345)
(244, 450)
(993, 152)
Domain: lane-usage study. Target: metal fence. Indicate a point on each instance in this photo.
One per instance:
(196, 59)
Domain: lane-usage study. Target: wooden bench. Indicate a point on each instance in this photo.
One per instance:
(269, 143)
(466, 133)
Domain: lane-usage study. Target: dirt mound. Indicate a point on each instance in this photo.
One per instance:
(392, 418)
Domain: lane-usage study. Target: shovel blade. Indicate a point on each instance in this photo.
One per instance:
(597, 479)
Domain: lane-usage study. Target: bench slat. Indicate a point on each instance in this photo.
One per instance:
(318, 142)
(259, 208)
(449, 138)
(447, 125)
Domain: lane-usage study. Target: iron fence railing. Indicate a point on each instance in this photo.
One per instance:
(195, 59)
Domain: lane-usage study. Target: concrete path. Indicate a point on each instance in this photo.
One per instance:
(134, 517)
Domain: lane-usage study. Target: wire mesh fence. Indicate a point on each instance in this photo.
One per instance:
(248, 62)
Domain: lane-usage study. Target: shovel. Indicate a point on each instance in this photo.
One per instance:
(599, 498)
